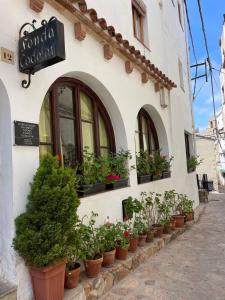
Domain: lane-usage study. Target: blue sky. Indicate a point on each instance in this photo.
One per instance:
(213, 11)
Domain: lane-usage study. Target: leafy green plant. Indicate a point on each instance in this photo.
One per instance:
(140, 224)
(122, 235)
(171, 198)
(193, 162)
(93, 169)
(142, 161)
(73, 250)
(185, 205)
(107, 235)
(119, 163)
(159, 164)
(90, 247)
(43, 232)
(147, 200)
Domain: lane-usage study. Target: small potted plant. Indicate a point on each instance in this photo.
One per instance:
(166, 173)
(141, 226)
(119, 170)
(92, 173)
(179, 216)
(185, 207)
(90, 248)
(157, 226)
(73, 266)
(143, 167)
(158, 165)
(133, 236)
(147, 200)
(193, 162)
(43, 232)
(122, 242)
(170, 198)
(107, 235)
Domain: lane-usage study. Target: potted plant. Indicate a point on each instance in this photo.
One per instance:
(164, 210)
(133, 236)
(193, 162)
(122, 242)
(92, 173)
(141, 226)
(185, 207)
(90, 248)
(159, 165)
(179, 216)
(166, 173)
(143, 167)
(119, 170)
(43, 232)
(73, 266)
(170, 198)
(107, 235)
(157, 226)
(147, 200)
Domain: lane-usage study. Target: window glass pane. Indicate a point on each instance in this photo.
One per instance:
(44, 149)
(104, 152)
(144, 126)
(65, 101)
(67, 142)
(45, 121)
(137, 142)
(88, 136)
(138, 25)
(102, 133)
(86, 107)
(145, 141)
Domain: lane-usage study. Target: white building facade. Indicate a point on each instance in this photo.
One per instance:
(126, 56)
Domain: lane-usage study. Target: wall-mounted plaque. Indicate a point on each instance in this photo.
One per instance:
(26, 134)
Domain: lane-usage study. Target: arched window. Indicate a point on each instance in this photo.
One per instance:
(146, 138)
(73, 117)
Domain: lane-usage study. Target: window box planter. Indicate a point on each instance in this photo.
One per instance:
(117, 184)
(156, 177)
(166, 174)
(90, 189)
(144, 178)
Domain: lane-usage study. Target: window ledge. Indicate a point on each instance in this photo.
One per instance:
(142, 43)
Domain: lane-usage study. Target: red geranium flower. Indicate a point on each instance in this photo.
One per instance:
(126, 233)
(112, 177)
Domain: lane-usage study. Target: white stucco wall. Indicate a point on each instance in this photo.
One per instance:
(123, 95)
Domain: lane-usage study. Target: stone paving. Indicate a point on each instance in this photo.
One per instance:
(192, 267)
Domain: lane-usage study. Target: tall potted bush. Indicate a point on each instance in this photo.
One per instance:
(147, 200)
(43, 232)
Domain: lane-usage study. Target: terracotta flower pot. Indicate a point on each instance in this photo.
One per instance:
(121, 253)
(93, 267)
(173, 224)
(72, 277)
(150, 236)
(189, 216)
(167, 229)
(158, 230)
(109, 258)
(48, 282)
(142, 240)
(179, 220)
(133, 244)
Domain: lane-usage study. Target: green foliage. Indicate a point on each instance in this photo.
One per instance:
(73, 250)
(140, 224)
(142, 161)
(93, 169)
(119, 163)
(193, 162)
(107, 235)
(184, 205)
(147, 200)
(43, 232)
(171, 198)
(90, 247)
(159, 164)
(122, 235)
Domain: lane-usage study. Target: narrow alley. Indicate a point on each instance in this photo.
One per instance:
(192, 267)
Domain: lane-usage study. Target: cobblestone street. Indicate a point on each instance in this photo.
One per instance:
(190, 268)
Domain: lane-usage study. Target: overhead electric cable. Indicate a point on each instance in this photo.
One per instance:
(210, 70)
(193, 47)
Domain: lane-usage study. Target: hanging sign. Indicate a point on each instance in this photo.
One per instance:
(41, 47)
(26, 134)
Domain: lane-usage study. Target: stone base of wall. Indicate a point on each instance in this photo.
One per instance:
(203, 196)
(92, 289)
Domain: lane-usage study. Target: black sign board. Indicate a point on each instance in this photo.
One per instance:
(26, 134)
(42, 47)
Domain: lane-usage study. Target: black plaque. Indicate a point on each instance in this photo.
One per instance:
(42, 47)
(26, 134)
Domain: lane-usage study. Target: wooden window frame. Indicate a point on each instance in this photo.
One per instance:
(187, 145)
(151, 130)
(97, 108)
(137, 10)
